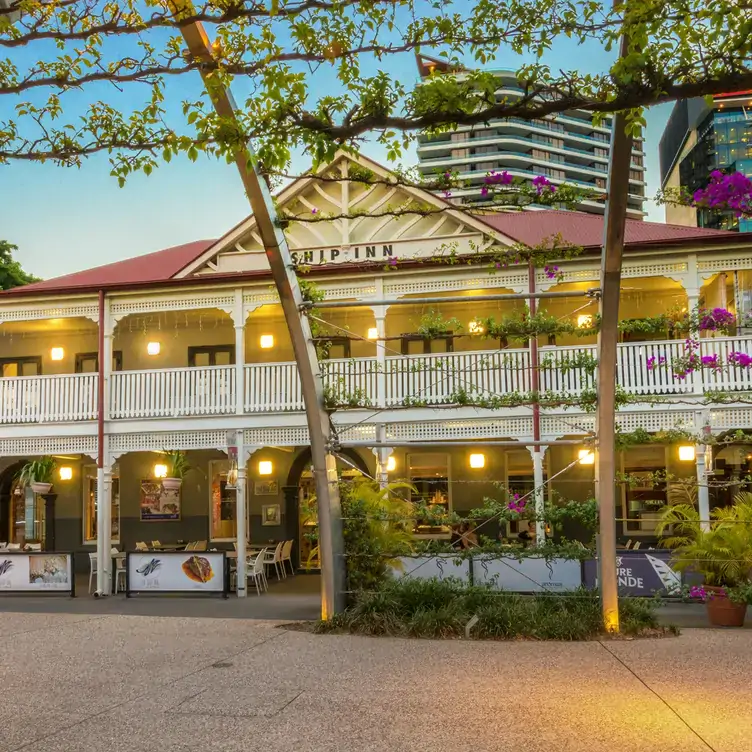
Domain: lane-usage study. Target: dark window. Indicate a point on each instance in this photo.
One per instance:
(414, 344)
(333, 347)
(89, 362)
(211, 355)
(29, 366)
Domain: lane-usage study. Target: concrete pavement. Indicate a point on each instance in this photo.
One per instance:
(122, 683)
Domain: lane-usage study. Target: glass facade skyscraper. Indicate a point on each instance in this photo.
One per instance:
(699, 139)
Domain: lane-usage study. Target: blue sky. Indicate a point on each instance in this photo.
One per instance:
(67, 219)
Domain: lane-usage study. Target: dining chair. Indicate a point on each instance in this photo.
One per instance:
(255, 571)
(119, 574)
(155, 544)
(141, 546)
(34, 546)
(275, 558)
(287, 555)
(3, 545)
(191, 546)
(14, 547)
(200, 546)
(629, 543)
(92, 569)
(636, 545)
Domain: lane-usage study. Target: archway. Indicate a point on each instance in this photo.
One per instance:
(7, 477)
(298, 487)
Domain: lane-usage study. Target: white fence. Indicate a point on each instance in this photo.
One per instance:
(48, 399)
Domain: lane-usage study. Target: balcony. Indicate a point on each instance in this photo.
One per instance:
(425, 380)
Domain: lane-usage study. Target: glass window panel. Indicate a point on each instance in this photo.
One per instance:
(223, 358)
(645, 496)
(201, 359)
(90, 505)
(223, 503)
(429, 474)
(10, 369)
(30, 369)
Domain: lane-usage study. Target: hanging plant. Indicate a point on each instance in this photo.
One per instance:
(433, 325)
(38, 475)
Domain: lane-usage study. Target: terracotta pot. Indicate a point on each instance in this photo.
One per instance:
(722, 611)
(172, 484)
(41, 488)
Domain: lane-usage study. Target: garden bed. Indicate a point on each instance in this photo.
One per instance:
(443, 609)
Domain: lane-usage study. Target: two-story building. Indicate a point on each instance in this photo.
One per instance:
(194, 344)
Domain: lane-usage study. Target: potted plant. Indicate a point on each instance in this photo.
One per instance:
(38, 474)
(177, 467)
(721, 551)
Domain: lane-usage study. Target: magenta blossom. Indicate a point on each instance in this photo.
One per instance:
(655, 361)
(552, 272)
(447, 194)
(393, 260)
(718, 318)
(502, 178)
(710, 361)
(732, 192)
(484, 191)
(740, 359)
(314, 211)
(517, 504)
(697, 591)
(542, 183)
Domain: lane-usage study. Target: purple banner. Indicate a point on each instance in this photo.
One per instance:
(639, 573)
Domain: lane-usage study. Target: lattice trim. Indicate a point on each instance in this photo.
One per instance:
(45, 312)
(172, 303)
(461, 429)
(150, 442)
(32, 447)
(724, 264)
(417, 285)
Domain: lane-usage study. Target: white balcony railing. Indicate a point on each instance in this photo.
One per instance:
(48, 399)
(173, 392)
(418, 380)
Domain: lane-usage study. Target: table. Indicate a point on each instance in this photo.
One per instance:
(169, 547)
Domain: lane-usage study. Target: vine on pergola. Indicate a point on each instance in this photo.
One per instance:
(56, 107)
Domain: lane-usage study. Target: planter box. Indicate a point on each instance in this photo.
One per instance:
(530, 575)
(439, 567)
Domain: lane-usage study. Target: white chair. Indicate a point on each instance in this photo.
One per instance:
(629, 543)
(3, 546)
(14, 547)
(287, 555)
(636, 545)
(200, 546)
(276, 559)
(92, 569)
(155, 544)
(141, 546)
(119, 573)
(190, 547)
(255, 571)
(34, 546)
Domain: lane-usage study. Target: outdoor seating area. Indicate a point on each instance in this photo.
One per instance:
(260, 561)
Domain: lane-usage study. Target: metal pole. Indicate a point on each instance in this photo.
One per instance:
(285, 280)
(540, 524)
(454, 299)
(611, 261)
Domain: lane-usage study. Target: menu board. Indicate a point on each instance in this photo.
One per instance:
(36, 572)
(176, 572)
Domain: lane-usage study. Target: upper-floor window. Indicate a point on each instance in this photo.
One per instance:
(89, 362)
(211, 355)
(416, 344)
(27, 366)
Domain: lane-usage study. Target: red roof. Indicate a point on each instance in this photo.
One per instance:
(579, 228)
(152, 267)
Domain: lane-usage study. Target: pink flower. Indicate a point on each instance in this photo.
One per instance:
(447, 194)
(484, 191)
(740, 359)
(732, 192)
(516, 504)
(314, 211)
(655, 362)
(393, 261)
(542, 183)
(552, 272)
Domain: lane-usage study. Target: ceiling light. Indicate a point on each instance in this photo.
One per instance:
(477, 461)
(57, 353)
(153, 348)
(266, 341)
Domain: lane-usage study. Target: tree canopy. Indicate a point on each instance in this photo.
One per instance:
(87, 76)
(11, 273)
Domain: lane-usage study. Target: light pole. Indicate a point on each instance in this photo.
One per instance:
(331, 545)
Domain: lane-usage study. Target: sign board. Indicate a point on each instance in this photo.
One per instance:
(37, 572)
(528, 575)
(176, 572)
(439, 567)
(639, 573)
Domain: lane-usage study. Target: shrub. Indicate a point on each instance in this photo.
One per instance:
(442, 608)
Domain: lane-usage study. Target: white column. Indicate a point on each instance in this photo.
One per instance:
(239, 319)
(241, 515)
(380, 314)
(703, 494)
(540, 496)
(382, 458)
(104, 527)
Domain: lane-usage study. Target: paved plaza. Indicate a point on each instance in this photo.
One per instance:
(126, 683)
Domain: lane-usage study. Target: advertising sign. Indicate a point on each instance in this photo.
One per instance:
(36, 572)
(440, 567)
(529, 575)
(176, 572)
(640, 573)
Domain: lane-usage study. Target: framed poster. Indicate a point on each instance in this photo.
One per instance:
(176, 572)
(265, 488)
(270, 514)
(157, 503)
